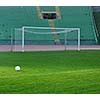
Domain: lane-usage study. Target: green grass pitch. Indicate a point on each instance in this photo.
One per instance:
(50, 72)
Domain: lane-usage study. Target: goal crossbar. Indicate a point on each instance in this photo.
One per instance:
(49, 28)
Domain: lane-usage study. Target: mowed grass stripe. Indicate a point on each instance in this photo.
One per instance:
(50, 72)
(64, 80)
(54, 73)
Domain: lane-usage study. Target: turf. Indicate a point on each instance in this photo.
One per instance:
(50, 72)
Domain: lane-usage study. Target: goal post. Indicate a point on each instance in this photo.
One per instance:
(79, 39)
(47, 38)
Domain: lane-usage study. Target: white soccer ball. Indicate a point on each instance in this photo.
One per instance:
(17, 68)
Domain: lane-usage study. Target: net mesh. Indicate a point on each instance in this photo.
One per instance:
(46, 39)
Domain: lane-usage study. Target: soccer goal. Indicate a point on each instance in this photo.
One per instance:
(46, 38)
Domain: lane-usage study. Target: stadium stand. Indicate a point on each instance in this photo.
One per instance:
(71, 17)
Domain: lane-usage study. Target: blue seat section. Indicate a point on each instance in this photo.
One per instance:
(71, 17)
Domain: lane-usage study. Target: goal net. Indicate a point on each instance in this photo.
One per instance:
(46, 38)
